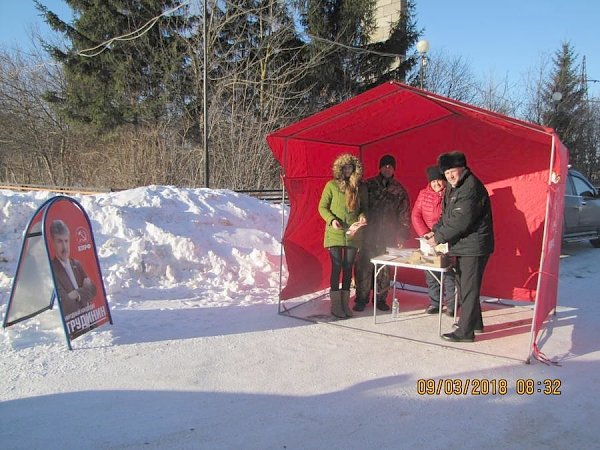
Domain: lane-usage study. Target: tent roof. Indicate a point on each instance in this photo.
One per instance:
(366, 119)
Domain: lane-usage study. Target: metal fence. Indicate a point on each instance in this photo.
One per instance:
(269, 195)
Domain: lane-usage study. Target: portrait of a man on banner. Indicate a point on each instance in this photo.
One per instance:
(74, 287)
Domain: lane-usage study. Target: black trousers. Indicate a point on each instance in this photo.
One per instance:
(342, 262)
(364, 275)
(469, 275)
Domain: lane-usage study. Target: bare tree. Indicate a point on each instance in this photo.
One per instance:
(496, 96)
(256, 84)
(534, 104)
(33, 145)
(450, 76)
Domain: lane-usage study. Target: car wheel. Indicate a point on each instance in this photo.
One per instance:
(595, 243)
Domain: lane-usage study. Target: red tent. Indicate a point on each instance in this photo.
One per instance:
(523, 166)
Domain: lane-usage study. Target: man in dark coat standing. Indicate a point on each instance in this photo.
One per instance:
(466, 225)
(389, 226)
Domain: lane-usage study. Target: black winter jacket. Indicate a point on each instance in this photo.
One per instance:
(466, 222)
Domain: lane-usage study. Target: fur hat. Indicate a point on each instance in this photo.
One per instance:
(349, 186)
(451, 160)
(341, 161)
(387, 160)
(433, 173)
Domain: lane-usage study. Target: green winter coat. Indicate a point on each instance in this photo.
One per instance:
(333, 206)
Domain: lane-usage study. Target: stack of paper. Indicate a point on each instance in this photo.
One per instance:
(428, 250)
(425, 248)
(401, 252)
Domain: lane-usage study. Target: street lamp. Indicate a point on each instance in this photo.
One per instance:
(422, 48)
(556, 98)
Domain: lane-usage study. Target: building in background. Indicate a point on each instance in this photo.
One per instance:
(387, 12)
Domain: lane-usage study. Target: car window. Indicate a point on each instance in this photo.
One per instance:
(569, 186)
(582, 187)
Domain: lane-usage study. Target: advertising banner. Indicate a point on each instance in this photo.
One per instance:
(75, 268)
(58, 260)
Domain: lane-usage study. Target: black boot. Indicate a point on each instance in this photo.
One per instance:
(382, 305)
(359, 304)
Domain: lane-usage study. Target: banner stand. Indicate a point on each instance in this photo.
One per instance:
(58, 260)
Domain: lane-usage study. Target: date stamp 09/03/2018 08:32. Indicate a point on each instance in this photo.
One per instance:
(488, 386)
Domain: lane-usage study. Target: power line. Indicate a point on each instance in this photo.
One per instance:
(127, 36)
(358, 50)
(98, 49)
(355, 49)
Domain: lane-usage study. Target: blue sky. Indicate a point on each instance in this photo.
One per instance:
(18, 17)
(496, 38)
(508, 38)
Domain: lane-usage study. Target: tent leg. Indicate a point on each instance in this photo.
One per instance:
(279, 305)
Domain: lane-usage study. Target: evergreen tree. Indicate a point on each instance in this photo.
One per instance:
(135, 80)
(348, 25)
(403, 36)
(255, 41)
(565, 106)
(257, 72)
(343, 29)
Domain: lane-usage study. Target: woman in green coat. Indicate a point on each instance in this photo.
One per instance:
(343, 203)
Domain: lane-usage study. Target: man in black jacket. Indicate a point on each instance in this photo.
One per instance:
(466, 225)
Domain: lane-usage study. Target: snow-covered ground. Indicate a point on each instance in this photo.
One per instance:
(198, 357)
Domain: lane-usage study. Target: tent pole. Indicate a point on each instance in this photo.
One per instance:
(532, 335)
(281, 241)
(282, 179)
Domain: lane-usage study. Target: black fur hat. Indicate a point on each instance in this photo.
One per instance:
(433, 173)
(451, 160)
(387, 159)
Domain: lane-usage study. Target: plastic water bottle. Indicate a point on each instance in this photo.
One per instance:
(395, 308)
